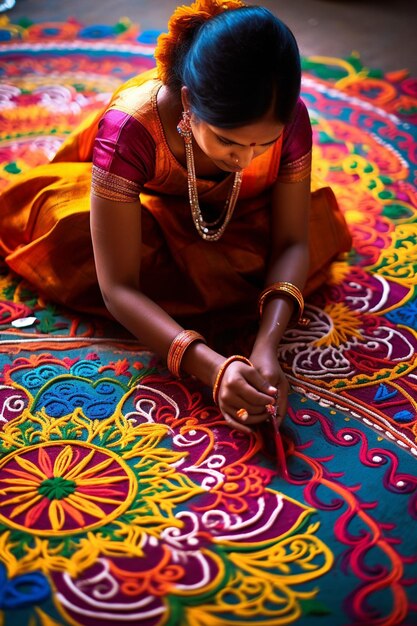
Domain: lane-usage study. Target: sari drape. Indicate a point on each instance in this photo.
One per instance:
(45, 233)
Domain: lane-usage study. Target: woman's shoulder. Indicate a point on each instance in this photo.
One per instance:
(136, 99)
(296, 146)
(300, 120)
(298, 132)
(124, 146)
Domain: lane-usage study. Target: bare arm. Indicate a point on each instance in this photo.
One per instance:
(289, 261)
(116, 235)
(290, 253)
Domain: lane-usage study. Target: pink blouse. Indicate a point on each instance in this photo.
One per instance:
(125, 150)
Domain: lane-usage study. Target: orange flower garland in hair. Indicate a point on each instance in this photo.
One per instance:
(181, 27)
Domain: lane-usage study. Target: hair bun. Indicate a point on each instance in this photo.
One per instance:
(182, 26)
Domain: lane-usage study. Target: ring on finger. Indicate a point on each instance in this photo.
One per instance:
(271, 409)
(242, 414)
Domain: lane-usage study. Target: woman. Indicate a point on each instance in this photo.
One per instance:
(200, 204)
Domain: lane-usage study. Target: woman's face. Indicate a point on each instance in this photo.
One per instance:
(232, 149)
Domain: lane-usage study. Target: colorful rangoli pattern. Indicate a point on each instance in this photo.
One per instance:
(124, 497)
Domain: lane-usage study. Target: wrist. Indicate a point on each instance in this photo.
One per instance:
(202, 362)
(284, 291)
(267, 340)
(221, 371)
(262, 358)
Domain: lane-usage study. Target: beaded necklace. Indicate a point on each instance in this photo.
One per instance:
(210, 231)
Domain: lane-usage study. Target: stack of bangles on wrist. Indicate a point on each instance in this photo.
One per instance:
(286, 289)
(178, 347)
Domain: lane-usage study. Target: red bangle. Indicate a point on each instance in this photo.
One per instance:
(222, 369)
(178, 347)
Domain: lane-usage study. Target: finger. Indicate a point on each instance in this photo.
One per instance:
(253, 400)
(234, 424)
(254, 410)
(282, 400)
(257, 419)
(258, 382)
(242, 415)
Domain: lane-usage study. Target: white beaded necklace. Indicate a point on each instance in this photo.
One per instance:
(210, 231)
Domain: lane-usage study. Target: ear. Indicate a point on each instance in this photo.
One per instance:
(185, 98)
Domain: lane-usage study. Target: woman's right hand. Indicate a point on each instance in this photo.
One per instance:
(243, 387)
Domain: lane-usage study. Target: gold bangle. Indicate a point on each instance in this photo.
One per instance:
(178, 347)
(222, 369)
(288, 289)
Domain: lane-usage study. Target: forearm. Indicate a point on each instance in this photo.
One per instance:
(290, 266)
(156, 329)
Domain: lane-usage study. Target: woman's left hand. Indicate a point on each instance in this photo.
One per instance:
(265, 360)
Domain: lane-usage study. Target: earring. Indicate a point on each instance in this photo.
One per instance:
(184, 125)
(237, 161)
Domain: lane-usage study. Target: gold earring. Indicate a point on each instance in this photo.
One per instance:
(184, 125)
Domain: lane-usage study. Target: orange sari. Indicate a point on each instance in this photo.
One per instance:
(45, 234)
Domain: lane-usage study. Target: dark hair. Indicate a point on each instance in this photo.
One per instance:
(239, 64)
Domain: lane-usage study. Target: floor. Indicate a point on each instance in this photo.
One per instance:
(383, 32)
